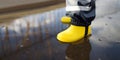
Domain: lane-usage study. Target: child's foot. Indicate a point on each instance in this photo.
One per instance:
(73, 34)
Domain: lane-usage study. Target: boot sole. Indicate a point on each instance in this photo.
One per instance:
(78, 41)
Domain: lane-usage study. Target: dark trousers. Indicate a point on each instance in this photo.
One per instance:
(81, 15)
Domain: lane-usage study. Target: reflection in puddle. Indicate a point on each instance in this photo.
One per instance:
(79, 51)
(28, 30)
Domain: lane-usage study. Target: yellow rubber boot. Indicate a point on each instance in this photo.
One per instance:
(66, 19)
(73, 34)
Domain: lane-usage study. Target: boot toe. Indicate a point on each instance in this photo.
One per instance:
(68, 37)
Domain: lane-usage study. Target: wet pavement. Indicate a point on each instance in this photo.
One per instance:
(34, 38)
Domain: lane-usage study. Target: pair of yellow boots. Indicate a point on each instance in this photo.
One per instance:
(73, 33)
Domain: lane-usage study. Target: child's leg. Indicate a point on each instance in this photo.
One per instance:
(84, 9)
(80, 14)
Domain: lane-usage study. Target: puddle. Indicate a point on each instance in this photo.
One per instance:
(34, 38)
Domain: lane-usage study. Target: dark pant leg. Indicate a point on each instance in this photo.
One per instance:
(81, 17)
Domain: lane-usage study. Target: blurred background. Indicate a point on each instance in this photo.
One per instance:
(28, 30)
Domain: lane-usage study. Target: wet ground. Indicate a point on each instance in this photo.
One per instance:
(34, 38)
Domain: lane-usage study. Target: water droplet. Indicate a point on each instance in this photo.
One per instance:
(109, 17)
(27, 39)
(21, 45)
(106, 24)
(99, 39)
(99, 59)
